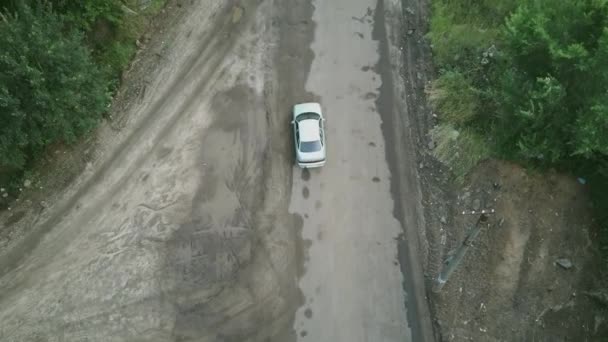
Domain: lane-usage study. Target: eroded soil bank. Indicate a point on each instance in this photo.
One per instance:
(509, 286)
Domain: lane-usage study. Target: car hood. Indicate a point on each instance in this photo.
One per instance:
(306, 108)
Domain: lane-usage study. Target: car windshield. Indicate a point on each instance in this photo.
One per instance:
(307, 116)
(310, 146)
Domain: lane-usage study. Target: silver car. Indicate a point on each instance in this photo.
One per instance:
(309, 135)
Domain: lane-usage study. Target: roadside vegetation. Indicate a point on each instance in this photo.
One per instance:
(60, 62)
(524, 80)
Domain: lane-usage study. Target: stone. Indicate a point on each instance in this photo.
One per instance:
(564, 263)
(476, 205)
(443, 220)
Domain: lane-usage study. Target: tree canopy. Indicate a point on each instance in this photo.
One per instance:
(529, 78)
(553, 94)
(50, 89)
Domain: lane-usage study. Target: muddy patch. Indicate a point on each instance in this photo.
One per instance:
(231, 107)
(305, 174)
(202, 254)
(305, 192)
(302, 247)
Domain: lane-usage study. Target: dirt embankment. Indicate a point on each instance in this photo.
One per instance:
(509, 286)
(532, 271)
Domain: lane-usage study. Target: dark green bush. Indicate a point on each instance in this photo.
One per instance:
(454, 97)
(82, 15)
(555, 50)
(541, 96)
(50, 89)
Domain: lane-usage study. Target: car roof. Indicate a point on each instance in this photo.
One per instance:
(309, 130)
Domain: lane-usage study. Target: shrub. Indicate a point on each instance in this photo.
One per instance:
(454, 98)
(542, 100)
(459, 150)
(461, 30)
(555, 54)
(82, 15)
(50, 89)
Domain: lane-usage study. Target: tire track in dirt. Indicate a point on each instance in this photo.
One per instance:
(264, 315)
(216, 44)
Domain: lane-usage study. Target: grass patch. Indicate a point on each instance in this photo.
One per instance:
(454, 98)
(458, 44)
(117, 52)
(461, 150)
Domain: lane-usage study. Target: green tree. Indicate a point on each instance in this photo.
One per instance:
(541, 96)
(83, 14)
(50, 90)
(552, 86)
(80, 15)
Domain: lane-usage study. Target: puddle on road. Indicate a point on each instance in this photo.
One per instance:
(305, 174)
(305, 192)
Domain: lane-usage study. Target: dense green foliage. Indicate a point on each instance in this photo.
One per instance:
(82, 15)
(553, 98)
(60, 60)
(110, 27)
(50, 89)
(530, 76)
(455, 98)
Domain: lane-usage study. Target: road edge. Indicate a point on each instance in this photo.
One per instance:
(412, 243)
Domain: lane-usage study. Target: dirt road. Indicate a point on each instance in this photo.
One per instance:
(191, 222)
(353, 282)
